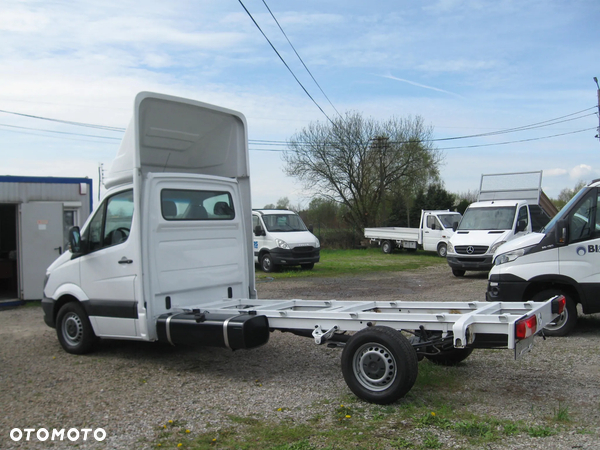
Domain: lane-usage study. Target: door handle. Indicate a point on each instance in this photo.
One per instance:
(125, 260)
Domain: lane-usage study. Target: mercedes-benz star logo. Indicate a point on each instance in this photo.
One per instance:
(470, 249)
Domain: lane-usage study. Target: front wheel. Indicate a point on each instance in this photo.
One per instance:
(458, 272)
(266, 263)
(379, 365)
(74, 330)
(308, 266)
(564, 323)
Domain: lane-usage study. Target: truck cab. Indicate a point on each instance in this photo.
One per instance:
(173, 229)
(282, 239)
(562, 258)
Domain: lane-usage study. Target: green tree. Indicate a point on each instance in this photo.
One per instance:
(359, 162)
(567, 194)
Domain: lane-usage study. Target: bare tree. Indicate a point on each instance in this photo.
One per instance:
(357, 161)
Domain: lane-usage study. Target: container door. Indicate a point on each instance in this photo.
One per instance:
(40, 243)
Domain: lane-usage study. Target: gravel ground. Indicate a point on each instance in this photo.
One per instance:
(131, 389)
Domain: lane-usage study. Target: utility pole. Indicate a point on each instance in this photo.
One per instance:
(598, 92)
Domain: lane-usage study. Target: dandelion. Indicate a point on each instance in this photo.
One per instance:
(180, 445)
(165, 427)
(170, 421)
(215, 440)
(187, 431)
(279, 409)
(432, 414)
(348, 416)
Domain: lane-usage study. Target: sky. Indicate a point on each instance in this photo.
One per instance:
(467, 67)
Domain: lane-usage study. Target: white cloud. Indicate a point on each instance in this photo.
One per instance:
(580, 172)
(555, 172)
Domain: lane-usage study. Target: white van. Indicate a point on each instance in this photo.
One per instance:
(561, 259)
(282, 239)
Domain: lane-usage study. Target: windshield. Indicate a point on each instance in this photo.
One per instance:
(563, 211)
(283, 222)
(489, 218)
(449, 219)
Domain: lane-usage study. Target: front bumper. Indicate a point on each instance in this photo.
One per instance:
(48, 306)
(295, 256)
(482, 263)
(506, 289)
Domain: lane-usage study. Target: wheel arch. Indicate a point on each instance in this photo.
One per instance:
(567, 284)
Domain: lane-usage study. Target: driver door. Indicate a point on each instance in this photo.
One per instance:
(109, 267)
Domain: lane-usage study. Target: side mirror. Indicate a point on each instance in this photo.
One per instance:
(75, 241)
(521, 225)
(258, 231)
(454, 226)
(310, 228)
(562, 231)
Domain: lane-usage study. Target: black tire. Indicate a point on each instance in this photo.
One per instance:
(379, 365)
(458, 272)
(442, 250)
(266, 263)
(74, 330)
(309, 266)
(387, 247)
(565, 323)
(451, 357)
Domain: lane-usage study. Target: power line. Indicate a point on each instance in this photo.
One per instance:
(61, 132)
(284, 63)
(80, 124)
(301, 60)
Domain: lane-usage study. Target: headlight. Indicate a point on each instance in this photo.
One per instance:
(495, 246)
(511, 256)
(450, 248)
(318, 244)
(282, 244)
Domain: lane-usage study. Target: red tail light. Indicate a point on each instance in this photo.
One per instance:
(558, 304)
(526, 327)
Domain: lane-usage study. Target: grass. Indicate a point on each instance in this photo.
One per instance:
(338, 263)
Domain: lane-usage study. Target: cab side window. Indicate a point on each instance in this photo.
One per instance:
(111, 223)
(583, 222)
(522, 219)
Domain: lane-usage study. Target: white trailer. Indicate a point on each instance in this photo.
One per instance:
(167, 256)
(435, 229)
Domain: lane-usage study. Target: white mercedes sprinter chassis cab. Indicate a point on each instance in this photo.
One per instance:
(168, 256)
(562, 259)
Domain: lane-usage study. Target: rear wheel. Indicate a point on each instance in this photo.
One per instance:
(379, 365)
(387, 247)
(74, 330)
(564, 323)
(458, 272)
(442, 250)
